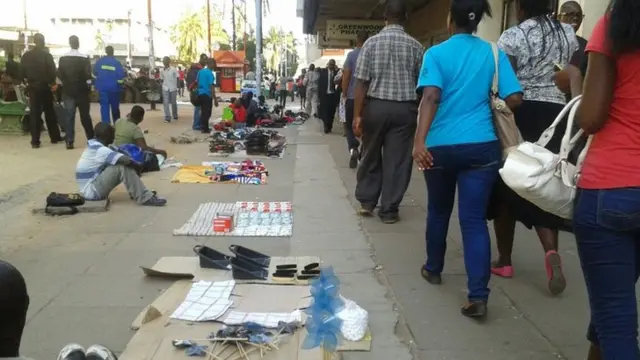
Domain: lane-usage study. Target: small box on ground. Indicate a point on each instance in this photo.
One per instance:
(223, 222)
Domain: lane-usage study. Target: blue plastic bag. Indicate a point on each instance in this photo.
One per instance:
(135, 153)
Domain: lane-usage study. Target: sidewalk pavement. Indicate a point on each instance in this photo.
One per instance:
(86, 285)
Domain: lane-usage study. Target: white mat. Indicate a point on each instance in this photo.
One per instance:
(201, 223)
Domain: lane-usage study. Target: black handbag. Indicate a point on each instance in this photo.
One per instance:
(59, 200)
(150, 162)
(193, 97)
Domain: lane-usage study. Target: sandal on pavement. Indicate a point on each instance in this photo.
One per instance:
(553, 265)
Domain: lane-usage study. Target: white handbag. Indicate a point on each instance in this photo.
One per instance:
(543, 178)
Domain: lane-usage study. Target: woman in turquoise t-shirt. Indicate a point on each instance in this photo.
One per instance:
(456, 143)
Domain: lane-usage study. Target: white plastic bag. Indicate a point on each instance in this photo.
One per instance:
(355, 320)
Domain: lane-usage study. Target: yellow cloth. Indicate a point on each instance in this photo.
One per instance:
(192, 175)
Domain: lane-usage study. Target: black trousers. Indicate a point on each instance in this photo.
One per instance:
(41, 100)
(81, 103)
(206, 107)
(328, 106)
(352, 141)
(14, 302)
(283, 98)
(388, 128)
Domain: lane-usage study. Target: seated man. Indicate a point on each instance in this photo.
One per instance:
(14, 303)
(128, 132)
(100, 169)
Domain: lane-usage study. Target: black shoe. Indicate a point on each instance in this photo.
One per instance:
(72, 352)
(433, 279)
(366, 211)
(69, 146)
(390, 219)
(35, 146)
(353, 160)
(475, 309)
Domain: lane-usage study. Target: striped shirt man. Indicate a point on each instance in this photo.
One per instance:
(95, 158)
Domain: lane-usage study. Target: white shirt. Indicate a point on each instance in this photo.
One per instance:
(169, 78)
(95, 158)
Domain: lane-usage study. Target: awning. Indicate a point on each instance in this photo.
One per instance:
(230, 65)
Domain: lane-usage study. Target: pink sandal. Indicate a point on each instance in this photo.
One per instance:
(553, 265)
(503, 271)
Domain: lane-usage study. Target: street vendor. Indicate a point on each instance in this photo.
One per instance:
(101, 169)
(128, 132)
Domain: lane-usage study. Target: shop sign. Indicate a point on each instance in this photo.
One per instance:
(9, 35)
(324, 42)
(348, 29)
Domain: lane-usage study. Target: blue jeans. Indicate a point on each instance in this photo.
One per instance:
(196, 118)
(170, 100)
(109, 101)
(474, 168)
(607, 230)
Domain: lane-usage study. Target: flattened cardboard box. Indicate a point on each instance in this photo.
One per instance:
(156, 330)
(188, 267)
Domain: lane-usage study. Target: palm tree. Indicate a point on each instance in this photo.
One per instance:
(187, 34)
(273, 44)
(190, 33)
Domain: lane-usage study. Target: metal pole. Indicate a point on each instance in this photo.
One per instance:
(129, 49)
(259, 43)
(209, 28)
(152, 56)
(233, 25)
(26, 36)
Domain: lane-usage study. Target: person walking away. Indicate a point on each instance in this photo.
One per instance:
(169, 77)
(180, 81)
(311, 85)
(110, 76)
(327, 95)
(456, 144)
(302, 90)
(348, 86)
(207, 94)
(282, 95)
(192, 85)
(39, 73)
(291, 88)
(607, 203)
(74, 71)
(535, 47)
(386, 73)
(101, 169)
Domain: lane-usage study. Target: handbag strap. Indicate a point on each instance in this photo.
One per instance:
(546, 135)
(496, 73)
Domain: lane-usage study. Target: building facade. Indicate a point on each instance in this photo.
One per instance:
(335, 24)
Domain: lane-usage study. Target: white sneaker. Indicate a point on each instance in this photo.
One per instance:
(99, 352)
(72, 352)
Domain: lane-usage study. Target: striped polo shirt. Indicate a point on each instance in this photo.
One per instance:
(95, 158)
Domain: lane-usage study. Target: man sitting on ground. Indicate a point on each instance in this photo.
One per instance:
(128, 132)
(100, 169)
(14, 303)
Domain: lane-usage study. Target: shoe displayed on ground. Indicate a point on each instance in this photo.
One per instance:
(353, 159)
(433, 279)
(155, 201)
(474, 309)
(72, 352)
(99, 352)
(553, 265)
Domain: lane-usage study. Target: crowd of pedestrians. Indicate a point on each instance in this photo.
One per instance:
(539, 65)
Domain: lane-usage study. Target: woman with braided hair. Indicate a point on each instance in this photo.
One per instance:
(536, 47)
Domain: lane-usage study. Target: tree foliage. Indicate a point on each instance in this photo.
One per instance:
(190, 34)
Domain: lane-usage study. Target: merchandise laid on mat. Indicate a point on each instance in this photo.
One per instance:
(251, 172)
(240, 219)
(247, 141)
(218, 318)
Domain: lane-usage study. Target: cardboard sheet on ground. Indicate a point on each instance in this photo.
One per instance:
(188, 267)
(156, 330)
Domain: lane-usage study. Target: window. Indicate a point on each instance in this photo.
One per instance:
(509, 15)
(228, 72)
